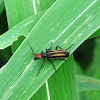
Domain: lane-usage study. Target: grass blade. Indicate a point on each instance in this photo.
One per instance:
(23, 28)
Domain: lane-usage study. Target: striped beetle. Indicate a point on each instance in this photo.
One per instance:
(51, 54)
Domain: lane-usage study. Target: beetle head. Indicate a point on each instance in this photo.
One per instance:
(38, 56)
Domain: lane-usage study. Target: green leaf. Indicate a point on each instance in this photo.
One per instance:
(13, 15)
(23, 28)
(87, 83)
(61, 85)
(94, 68)
(64, 25)
(41, 94)
(95, 34)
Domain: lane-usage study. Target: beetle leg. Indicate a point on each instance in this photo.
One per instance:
(59, 47)
(50, 47)
(40, 67)
(69, 47)
(47, 50)
(52, 63)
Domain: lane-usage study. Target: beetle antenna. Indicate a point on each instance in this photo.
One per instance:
(31, 48)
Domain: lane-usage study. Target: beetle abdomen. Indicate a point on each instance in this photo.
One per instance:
(57, 54)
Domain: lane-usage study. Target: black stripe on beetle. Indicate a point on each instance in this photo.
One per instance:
(51, 54)
(57, 54)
